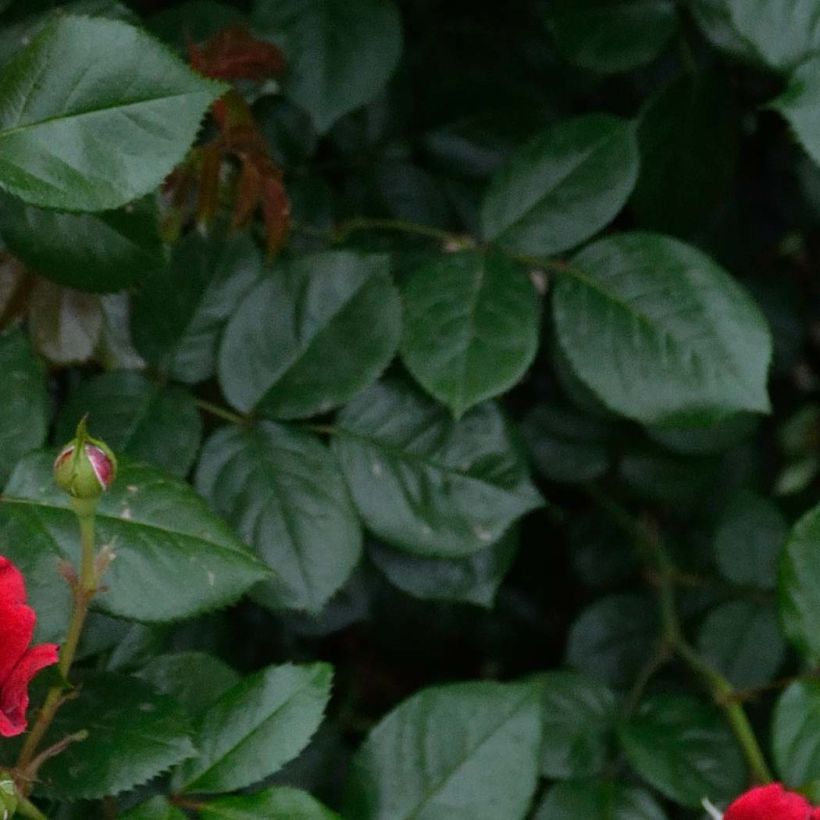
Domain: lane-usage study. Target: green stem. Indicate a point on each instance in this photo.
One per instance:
(723, 693)
(85, 588)
(221, 412)
(27, 809)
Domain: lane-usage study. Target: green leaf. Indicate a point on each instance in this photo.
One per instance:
(311, 335)
(279, 803)
(783, 33)
(742, 640)
(285, 495)
(565, 445)
(466, 750)
(174, 557)
(105, 128)
(134, 734)
(579, 723)
(688, 137)
(608, 36)
(609, 639)
(795, 746)
(684, 749)
(470, 327)
(157, 808)
(563, 186)
(193, 679)
(93, 252)
(340, 53)
(474, 579)
(661, 333)
(799, 585)
(24, 403)
(748, 541)
(715, 19)
(598, 800)
(256, 727)
(800, 105)
(180, 312)
(425, 483)
(137, 418)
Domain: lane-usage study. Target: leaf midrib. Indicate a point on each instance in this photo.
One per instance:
(308, 683)
(439, 785)
(17, 129)
(27, 502)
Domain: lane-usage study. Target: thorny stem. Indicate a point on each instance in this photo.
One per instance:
(84, 588)
(654, 552)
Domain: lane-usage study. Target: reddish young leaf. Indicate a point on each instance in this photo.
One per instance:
(235, 54)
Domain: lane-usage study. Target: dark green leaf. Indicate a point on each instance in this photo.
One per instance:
(565, 445)
(609, 640)
(311, 335)
(742, 640)
(425, 483)
(461, 751)
(24, 404)
(280, 803)
(94, 252)
(470, 327)
(800, 105)
(684, 749)
(562, 187)
(340, 53)
(137, 418)
(285, 494)
(598, 800)
(174, 557)
(104, 129)
(799, 585)
(474, 579)
(256, 727)
(688, 140)
(579, 723)
(134, 735)
(611, 35)
(795, 746)
(157, 808)
(661, 333)
(782, 33)
(748, 541)
(179, 314)
(193, 679)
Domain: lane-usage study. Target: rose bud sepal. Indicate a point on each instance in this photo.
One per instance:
(85, 468)
(8, 796)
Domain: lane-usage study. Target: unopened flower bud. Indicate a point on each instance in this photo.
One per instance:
(85, 467)
(8, 797)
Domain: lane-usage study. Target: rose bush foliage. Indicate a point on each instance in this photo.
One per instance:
(461, 365)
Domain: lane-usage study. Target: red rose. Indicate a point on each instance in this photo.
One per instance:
(19, 662)
(771, 803)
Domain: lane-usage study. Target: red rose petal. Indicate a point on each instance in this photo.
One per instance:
(769, 803)
(18, 663)
(16, 619)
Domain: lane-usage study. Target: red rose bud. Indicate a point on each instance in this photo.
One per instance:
(771, 802)
(19, 662)
(85, 467)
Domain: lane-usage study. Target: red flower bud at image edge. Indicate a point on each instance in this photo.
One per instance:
(771, 802)
(19, 662)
